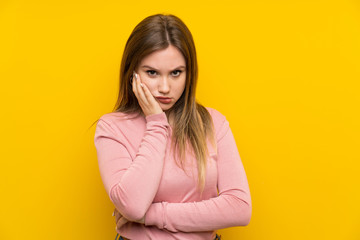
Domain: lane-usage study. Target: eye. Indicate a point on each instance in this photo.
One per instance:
(151, 73)
(176, 73)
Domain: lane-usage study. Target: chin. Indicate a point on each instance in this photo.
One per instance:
(166, 107)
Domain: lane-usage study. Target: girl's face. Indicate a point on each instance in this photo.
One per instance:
(164, 73)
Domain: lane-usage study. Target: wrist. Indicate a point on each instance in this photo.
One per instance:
(157, 117)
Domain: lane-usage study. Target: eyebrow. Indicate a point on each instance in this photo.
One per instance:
(146, 66)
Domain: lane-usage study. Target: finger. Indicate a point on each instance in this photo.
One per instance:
(113, 214)
(141, 91)
(136, 90)
(151, 99)
(117, 216)
(154, 104)
(147, 93)
(134, 86)
(143, 102)
(121, 222)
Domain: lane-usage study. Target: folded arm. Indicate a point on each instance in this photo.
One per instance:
(132, 183)
(231, 208)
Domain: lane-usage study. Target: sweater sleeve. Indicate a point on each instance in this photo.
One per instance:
(132, 183)
(232, 207)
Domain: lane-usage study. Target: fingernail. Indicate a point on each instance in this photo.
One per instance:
(136, 76)
(141, 85)
(113, 214)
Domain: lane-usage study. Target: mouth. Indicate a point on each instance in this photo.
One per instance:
(164, 99)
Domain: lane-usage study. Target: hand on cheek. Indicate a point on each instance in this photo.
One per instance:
(146, 100)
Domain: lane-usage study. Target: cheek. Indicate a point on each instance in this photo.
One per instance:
(181, 86)
(149, 83)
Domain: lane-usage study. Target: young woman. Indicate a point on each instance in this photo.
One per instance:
(170, 166)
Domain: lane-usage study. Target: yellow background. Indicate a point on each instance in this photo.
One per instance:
(284, 73)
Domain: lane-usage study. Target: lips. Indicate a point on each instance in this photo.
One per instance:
(164, 99)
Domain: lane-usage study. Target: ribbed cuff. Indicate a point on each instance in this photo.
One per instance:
(158, 117)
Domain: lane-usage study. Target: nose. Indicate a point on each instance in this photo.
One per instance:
(164, 85)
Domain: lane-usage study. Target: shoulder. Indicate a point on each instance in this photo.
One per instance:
(119, 117)
(114, 116)
(221, 125)
(217, 116)
(118, 122)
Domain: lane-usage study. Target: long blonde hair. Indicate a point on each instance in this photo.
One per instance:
(192, 122)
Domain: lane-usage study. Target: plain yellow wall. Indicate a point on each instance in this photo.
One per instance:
(285, 73)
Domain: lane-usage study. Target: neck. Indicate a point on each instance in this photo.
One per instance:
(170, 117)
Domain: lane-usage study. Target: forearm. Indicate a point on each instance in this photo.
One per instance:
(227, 210)
(133, 183)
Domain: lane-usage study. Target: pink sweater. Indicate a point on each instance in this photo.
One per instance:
(141, 178)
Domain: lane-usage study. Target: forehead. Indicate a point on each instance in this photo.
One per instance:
(168, 58)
